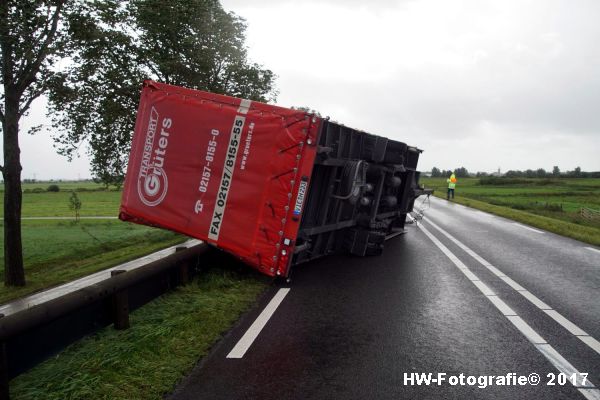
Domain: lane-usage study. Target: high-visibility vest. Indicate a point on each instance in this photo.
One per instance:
(451, 182)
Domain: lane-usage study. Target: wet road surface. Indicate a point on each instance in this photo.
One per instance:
(463, 292)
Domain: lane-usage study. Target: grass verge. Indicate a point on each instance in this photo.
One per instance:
(579, 232)
(166, 339)
(56, 252)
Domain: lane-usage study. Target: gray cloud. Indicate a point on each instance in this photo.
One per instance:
(526, 100)
(483, 84)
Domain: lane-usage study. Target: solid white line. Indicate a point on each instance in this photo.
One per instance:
(561, 363)
(526, 330)
(555, 315)
(565, 323)
(535, 300)
(593, 249)
(526, 227)
(513, 284)
(471, 276)
(501, 305)
(252, 333)
(590, 341)
(590, 394)
(558, 361)
(483, 288)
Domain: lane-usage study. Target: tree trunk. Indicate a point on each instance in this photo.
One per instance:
(14, 275)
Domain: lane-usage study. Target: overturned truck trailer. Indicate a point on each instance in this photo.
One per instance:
(273, 186)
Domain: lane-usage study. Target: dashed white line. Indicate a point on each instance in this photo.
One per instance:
(526, 227)
(252, 333)
(565, 323)
(483, 288)
(590, 394)
(526, 330)
(562, 364)
(593, 249)
(501, 305)
(590, 341)
(535, 300)
(555, 315)
(559, 362)
(513, 284)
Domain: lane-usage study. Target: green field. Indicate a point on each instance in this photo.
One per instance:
(57, 251)
(63, 185)
(37, 202)
(551, 204)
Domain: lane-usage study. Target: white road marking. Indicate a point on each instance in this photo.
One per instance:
(484, 289)
(252, 333)
(558, 361)
(536, 301)
(590, 394)
(526, 330)
(565, 323)
(593, 249)
(561, 363)
(590, 341)
(555, 315)
(501, 305)
(513, 284)
(526, 227)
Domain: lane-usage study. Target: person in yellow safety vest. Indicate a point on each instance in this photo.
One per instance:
(451, 185)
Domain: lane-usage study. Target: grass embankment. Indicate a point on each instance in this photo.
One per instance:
(58, 251)
(550, 204)
(166, 339)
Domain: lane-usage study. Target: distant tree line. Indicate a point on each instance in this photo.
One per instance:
(529, 173)
(461, 172)
(555, 173)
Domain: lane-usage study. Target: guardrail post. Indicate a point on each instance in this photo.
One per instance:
(4, 390)
(183, 270)
(120, 305)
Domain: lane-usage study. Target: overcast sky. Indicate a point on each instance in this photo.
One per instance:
(479, 84)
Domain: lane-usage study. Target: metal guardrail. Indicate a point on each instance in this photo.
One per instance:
(589, 213)
(30, 335)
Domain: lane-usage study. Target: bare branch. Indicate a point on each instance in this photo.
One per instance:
(31, 70)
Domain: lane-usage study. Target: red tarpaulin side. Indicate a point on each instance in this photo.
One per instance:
(227, 171)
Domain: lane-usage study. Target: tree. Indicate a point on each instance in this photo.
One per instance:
(555, 171)
(75, 204)
(540, 173)
(461, 172)
(435, 172)
(31, 41)
(192, 43)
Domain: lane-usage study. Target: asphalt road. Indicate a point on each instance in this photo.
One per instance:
(462, 292)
